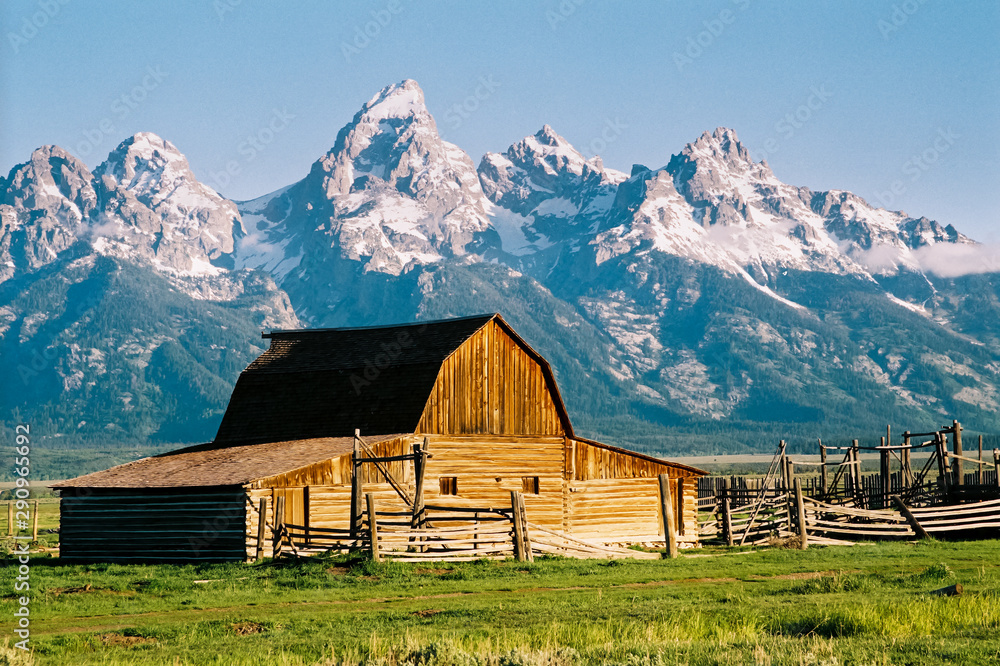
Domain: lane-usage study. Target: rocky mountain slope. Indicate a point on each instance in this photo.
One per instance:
(701, 305)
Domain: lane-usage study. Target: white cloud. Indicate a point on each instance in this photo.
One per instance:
(951, 260)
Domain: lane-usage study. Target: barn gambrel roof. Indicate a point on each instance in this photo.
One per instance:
(329, 382)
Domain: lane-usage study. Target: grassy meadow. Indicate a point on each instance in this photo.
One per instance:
(865, 604)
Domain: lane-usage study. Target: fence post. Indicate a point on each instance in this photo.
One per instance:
(373, 526)
(727, 518)
(956, 430)
(515, 511)
(822, 469)
(261, 527)
(801, 510)
(979, 475)
(34, 521)
(666, 505)
(10, 518)
(885, 473)
(419, 469)
(279, 525)
(529, 556)
(356, 488)
(783, 463)
(852, 473)
(679, 501)
(942, 456)
(790, 490)
(996, 464)
(907, 469)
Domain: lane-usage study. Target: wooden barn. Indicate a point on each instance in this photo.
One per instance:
(469, 391)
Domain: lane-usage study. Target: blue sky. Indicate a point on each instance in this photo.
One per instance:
(897, 101)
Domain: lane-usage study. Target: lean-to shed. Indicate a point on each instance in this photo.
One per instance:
(485, 403)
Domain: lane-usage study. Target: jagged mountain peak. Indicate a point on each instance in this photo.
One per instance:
(141, 159)
(719, 150)
(390, 194)
(54, 180)
(399, 100)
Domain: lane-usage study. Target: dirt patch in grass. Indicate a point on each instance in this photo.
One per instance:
(338, 571)
(807, 575)
(428, 612)
(121, 640)
(89, 589)
(436, 572)
(247, 628)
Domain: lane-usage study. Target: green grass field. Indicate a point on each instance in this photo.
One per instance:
(828, 605)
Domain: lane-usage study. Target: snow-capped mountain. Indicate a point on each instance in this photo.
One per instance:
(142, 202)
(546, 193)
(153, 203)
(390, 194)
(705, 291)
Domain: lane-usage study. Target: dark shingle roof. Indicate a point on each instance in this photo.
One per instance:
(329, 382)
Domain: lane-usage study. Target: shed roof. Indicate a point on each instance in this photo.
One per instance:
(329, 382)
(205, 465)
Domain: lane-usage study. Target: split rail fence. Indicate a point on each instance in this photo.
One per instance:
(841, 505)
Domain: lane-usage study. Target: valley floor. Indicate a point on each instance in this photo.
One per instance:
(866, 604)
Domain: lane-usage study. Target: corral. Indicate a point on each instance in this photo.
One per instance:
(840, 505)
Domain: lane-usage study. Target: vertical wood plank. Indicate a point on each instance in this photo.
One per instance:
(800, 511)
(279, 524)
(680, 506)
(261, 527)
(957, 441)
(515, 510)
(822, 469)
(666, 506)
(526, 539)
(727, 519)
(373, 527)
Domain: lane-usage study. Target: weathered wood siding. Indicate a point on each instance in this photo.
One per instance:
(614, 495)
(488, 468)
(584, 489)
(491, 385)
(152, 525)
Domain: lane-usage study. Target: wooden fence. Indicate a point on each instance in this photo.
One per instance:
(443, 534)
(783, 515)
